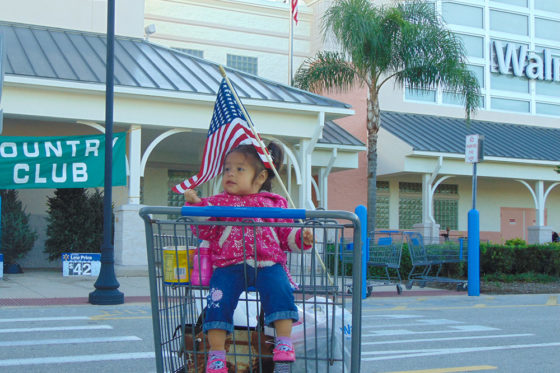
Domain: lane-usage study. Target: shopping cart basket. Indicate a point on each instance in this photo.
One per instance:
(326, 338)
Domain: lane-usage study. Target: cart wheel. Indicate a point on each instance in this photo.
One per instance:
(369, 291)
(399, 289)
(423, 284)
(409, 285)
(462, 287)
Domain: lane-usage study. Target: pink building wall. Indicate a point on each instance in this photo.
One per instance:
(348, 189)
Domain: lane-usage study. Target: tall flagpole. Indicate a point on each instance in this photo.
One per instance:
(263, 147)
(291, 44)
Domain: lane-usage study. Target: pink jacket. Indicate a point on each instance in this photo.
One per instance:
(227, 243)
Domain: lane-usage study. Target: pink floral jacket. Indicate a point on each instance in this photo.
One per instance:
(228, 243)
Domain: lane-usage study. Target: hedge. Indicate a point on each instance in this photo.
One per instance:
(494, 259)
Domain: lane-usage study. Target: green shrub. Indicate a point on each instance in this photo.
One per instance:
(17, 236)
(75, 222)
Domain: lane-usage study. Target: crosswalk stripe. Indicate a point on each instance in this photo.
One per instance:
(41, 342)
(448, 351)
(31, 319)
(76, 359)
(55, 328)
(447, 339)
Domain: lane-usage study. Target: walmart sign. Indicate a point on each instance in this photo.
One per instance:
(59, 162)
(521, 62)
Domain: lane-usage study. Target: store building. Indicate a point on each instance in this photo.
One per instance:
(54, 85)
(513, 47)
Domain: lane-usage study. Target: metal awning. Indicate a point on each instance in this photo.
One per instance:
(70, 55)
(447, 135)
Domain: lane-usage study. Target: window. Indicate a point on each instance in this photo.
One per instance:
(509, 105)
(174, 178)
(243, 63)
(474, 45)
(521, 3)
(192, 52)
(548, 109)
(382, 205)
(509, 83)
(547, 88)
(446, 206)
(464, 15)
(420, 95)
(547, 5)
(509, 22)
(410, 204)
(446, 213)
(455, 99)
(547, 29)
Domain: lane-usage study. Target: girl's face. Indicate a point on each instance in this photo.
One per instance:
(239, 176)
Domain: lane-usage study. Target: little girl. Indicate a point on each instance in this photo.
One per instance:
(247, 183)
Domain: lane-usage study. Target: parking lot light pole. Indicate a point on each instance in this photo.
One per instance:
(107, 285)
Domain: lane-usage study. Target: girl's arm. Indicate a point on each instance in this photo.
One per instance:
(295, 239)
(203, 232)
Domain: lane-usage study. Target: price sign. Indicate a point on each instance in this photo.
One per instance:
(81, 264)
(474, 152)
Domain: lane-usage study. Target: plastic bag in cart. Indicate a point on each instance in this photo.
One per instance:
(313, 335)
(246, 313)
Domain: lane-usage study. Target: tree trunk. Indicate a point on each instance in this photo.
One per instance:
(373, 123)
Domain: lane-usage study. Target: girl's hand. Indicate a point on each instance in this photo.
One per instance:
(191, 196)
(307, 237)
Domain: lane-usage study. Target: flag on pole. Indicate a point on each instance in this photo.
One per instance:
(295, 10)
(228, 129)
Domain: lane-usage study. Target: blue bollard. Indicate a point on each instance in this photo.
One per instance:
(361, 212)
(474, 253)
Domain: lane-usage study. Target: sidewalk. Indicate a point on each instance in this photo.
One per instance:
(36, 287)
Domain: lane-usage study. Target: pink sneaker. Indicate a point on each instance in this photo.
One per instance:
(284, 353)
(216, 365)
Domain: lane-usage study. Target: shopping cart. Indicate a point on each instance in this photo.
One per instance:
(327, 337)
(385, 259)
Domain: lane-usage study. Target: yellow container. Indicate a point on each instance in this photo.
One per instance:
(176, 269)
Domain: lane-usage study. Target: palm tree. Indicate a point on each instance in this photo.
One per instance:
(407, 43)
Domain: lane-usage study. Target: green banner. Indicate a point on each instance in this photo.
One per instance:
(59, 162)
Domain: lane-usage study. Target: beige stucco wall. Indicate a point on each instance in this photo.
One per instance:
(253, 28)
(84, 15)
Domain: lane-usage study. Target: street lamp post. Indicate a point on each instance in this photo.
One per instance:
(107, 285)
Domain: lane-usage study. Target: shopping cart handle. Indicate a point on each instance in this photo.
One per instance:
(243, 212)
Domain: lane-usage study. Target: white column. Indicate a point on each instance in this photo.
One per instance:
(305, 167)
(134, 159)
(323, 187)
(539, 189)
(426, 199)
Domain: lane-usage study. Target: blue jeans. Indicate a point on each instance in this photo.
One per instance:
(227, 284)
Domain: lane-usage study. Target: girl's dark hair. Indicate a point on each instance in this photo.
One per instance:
(276, 153)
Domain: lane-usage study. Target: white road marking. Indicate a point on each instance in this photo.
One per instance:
(447, 339)
(448, 351)
(34, 342)
(391, 316)
(31, 319)
(55, 328)
(458, 329)
(76, 359)
(421, 322)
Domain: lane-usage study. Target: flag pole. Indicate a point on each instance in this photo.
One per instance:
(261, 144)
(291, 44)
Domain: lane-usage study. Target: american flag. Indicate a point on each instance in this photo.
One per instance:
(228, 129)
(295, 10)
